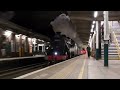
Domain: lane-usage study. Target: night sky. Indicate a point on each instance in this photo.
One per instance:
(37, 21)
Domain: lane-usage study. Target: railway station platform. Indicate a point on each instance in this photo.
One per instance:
(80, 67)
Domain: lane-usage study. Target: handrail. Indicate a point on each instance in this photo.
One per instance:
(116, 43)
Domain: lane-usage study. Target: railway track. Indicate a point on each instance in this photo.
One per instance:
(15, 72)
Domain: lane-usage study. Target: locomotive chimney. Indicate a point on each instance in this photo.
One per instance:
(64, 35)
(59, 33)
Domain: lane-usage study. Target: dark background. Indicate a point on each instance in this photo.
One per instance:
(37, 21)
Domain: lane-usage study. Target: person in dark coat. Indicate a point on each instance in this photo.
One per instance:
(88, 51)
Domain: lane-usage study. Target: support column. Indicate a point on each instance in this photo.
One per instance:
(42, 49)
(97, 41)
(13, 49)
(38, 48)
(27, 47)
(20, 45)
(93, 41)
(105, 53)
(93, 45)
(99, 30)
(106, 38)
(34, 47)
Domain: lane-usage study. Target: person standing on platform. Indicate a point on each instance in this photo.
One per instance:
(88, 51)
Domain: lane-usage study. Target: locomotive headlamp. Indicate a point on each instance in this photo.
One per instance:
(55, 53)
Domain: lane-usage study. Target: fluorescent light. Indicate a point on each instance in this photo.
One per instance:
(102, 23)
(29, 39)
(92, 30)
(34, 40)
(93, 22)
(95, 14)
(92, 26)
(23, 37)
(39, 40)
(42, 40)
(90, 37)
(7, 33)
(17, 36)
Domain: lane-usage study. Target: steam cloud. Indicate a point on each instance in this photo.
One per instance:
(64, 25)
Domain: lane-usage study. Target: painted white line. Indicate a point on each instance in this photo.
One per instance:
(21, 57)
(82, 70)
(28, 74)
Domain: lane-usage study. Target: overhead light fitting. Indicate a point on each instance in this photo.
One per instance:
(24, 36)
(7, 33)
(92, 30)
(93, 22)
(92, 26)
(102, 23)
(95, 14)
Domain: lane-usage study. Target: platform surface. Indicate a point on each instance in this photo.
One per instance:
(69, 69)
(80, 67)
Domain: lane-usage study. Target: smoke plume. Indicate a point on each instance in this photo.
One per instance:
(64, 25)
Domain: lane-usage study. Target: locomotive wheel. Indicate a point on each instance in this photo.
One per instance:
(69, 56)
(54, 61)
(73, 55)
(50, 63)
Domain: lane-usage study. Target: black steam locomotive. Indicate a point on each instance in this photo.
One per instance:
(61, 48)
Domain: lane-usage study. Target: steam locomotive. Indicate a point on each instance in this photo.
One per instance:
(61, 48)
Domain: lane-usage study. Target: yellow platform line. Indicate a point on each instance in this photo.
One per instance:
(82, 70)
(111, 59)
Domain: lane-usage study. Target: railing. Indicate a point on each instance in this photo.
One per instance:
(116, 42)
